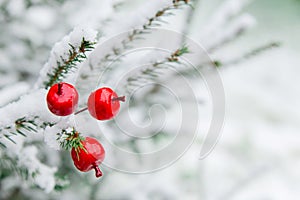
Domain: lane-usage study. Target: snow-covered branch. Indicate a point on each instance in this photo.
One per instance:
(65, 56)
(139, 23)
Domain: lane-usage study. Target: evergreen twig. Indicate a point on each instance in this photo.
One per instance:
(76, 55)
(250, 54)
(22, 126)
(151, 73)
(9, 166)
(153, 22)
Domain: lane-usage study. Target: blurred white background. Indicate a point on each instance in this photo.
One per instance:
(258, 154)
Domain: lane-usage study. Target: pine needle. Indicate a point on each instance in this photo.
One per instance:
(65, 66)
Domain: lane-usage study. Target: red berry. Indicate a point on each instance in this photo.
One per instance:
(62, 99)
(89, 156)
(103, 104)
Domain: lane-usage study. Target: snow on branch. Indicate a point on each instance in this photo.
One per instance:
(28, 114)
(222, 62)
(25, 117)
(148, 17)
(151, 13)
(40, 174)
(66, 55)
(12, 92)
(154, 71)
(248, 55)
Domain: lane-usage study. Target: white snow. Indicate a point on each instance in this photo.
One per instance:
(51, 133)
(42, 175)
(61, 49)
(12, 92)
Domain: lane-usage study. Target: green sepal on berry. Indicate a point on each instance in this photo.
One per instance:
(71, 139)
(90, 158)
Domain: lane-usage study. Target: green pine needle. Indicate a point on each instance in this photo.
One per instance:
(179, 52)
(22, 126)
(252, 53)
(137, 33)
(71, 139)
(152, 72)
(61, 182)
(65, 66)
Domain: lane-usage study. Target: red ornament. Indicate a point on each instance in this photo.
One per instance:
(62, 99)
(103, 104)
(89, 156)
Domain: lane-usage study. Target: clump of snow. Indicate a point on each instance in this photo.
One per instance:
(50, 137)
(42, 175)
(79, 33)
(29, 105)
(51, 134)
(12, 92)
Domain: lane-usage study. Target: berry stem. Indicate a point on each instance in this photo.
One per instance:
(59, 90)
(80, 111)
(98, 171)
(122, 98)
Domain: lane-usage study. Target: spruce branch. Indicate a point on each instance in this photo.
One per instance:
(252, 53)
(31, 170)
(179, 52)
(61, 182)
(76, 55)
(153, 71)
(156, 19)
(9, 166)
(21, 126)
(153, 22)
(248, 55)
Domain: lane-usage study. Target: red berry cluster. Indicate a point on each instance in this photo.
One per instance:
(103, 104)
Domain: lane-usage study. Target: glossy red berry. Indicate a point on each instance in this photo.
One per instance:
(62, 99)
(89, 156)
(103, 104)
